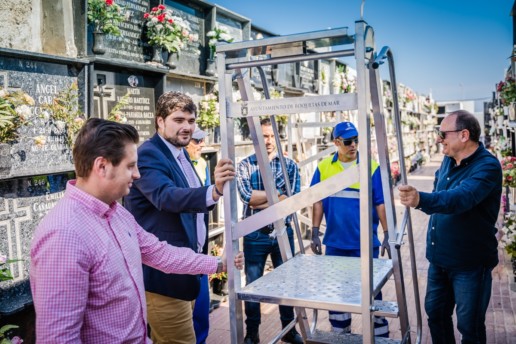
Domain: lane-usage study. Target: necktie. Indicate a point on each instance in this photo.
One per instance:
(193, 182)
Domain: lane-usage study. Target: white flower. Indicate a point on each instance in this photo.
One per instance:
(45, 115)
(212, 42)
(225, 37)
(3, 93)
(3, 259)
(23, 111)
(211, 34)
(154, 20)
(60, 125)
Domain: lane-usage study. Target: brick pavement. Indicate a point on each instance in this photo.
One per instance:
(501, 317)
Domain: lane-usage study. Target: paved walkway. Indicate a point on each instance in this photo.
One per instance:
(501, 317)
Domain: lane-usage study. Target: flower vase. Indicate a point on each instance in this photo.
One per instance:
(157, 56)
(98, 43)
(211, 68)
(171, 61)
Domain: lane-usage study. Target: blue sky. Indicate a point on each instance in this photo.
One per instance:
(457, 49)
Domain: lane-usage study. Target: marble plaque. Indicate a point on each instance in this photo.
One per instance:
(141, 100)
(190, 58)
(268, 70)
(130, 45)
(43, 81)
(307, 75)
(23, 203)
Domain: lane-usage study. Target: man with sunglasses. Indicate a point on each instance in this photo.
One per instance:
(461, 243)
(342, 213)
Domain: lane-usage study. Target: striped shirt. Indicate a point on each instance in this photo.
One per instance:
(249, 179)
(86, 271)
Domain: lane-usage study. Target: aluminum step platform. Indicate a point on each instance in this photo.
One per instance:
(319, 282)
(320, 337)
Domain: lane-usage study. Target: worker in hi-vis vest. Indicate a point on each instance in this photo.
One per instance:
(342, 213)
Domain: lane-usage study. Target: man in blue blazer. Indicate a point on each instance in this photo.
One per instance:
(170, 202)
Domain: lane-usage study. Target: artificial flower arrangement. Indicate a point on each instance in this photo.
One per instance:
(6, 275)
(216, 251)
(507, 90)
(509, 171)
(106, 16)
(167, 31)
(218, 34)
(14, 113)
(343, 81)
(209, 116)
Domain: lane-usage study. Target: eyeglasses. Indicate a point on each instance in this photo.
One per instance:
(348, 142)
(442, 134)
(198, 141)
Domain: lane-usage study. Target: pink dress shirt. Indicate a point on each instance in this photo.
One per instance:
(86, 271)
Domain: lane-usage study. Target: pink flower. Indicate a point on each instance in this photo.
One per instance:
(161, 7)
(509, 178)
(146, 15)
(509, 165)
(171, 21)
(16, 339)
(109, 2)
(154, 9)
(161, 17)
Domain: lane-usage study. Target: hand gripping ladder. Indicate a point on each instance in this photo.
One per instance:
(308, 281)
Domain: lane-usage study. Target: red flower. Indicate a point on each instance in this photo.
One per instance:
(161, 17)
(161, 7)
(500, 86)
(109, 2)
(146, 15)
(154, 9)
(171, 21)
(509, 178)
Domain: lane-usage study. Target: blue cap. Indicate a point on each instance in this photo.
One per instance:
(345, 130)
(199, 134)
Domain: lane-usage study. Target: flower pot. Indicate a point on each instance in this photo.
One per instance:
(171, 61)
(98, 43)
(211, 68)
(157, 55)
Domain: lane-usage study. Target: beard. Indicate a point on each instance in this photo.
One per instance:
(177, 142)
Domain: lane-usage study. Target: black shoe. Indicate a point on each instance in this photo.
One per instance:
(252, 338)
(293, 337)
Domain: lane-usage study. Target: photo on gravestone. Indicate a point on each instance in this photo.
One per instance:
(189, 60)
(40, 145)
(130, 45)
(135, 90)
(23, 203)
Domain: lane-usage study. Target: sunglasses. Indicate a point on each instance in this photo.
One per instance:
(198, 141)
(442, 134)
(348, 142)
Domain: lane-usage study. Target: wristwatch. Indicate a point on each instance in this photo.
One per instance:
(220, 265)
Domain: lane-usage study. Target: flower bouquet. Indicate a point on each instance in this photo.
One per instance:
(166, 31)
(209, 111)
(509, 171)
(106, 16)
(507, 90)
(217, 35)
(343, 82)
(14, 112)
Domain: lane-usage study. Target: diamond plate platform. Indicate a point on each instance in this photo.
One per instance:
(318, 282)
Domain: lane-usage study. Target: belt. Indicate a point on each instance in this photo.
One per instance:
(269, 228)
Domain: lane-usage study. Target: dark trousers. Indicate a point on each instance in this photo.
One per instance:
(201, 312)
(470, 291)
(257, 246)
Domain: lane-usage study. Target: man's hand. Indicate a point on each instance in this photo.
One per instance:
(409, 196)
(239, 261)
(224, 171)
(385, 245)
(315, 245)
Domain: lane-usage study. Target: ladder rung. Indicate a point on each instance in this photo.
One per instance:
(323, 337)
(388, 309)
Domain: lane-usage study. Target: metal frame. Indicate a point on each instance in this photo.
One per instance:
(232, 60)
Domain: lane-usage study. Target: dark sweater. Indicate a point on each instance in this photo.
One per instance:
(464, 206)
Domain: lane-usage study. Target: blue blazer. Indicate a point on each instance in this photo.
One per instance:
(163, 204)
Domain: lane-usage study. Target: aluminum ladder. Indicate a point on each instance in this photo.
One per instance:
(307, 281)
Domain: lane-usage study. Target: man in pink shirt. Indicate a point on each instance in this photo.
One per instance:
(87, 253)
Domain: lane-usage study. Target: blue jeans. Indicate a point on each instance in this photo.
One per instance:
(341, 321)
(201, 312)
(257, 246)
(470, 290)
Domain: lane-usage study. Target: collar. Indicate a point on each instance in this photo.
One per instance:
(173, 149)
(94, 204)
(473, 156)
(254, 159)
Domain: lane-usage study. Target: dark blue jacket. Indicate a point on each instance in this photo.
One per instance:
(464, 206)
(164, 204)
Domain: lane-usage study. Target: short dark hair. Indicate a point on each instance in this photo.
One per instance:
(265, 121)
(172, 101)
(466, 120)
(100, 137)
